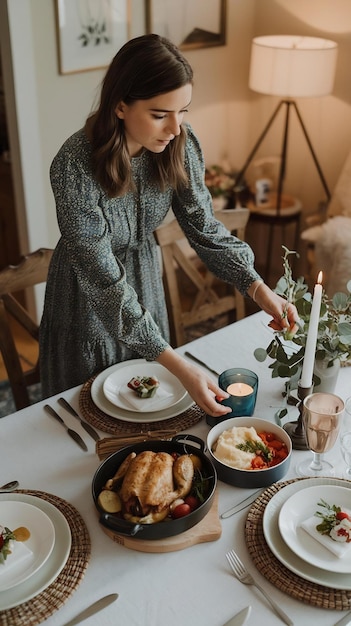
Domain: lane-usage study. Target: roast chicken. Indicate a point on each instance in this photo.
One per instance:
(148, 483)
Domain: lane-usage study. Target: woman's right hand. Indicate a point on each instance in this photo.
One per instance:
(198, 384)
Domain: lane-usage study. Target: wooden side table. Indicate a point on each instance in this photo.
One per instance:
(289, 213)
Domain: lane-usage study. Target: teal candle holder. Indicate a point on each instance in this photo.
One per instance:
(242, 385)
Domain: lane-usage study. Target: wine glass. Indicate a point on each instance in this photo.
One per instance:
(345, 445)
(345, 438)
(346, 425)
(321, 419)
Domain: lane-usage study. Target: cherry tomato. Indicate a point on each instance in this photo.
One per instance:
(258, 463)
(181, 510)
(341, 515)
(192, 501)
(276, 444)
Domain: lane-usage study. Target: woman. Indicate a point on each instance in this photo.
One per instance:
(114, 182)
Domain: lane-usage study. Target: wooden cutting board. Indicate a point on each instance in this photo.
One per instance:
(209, 529)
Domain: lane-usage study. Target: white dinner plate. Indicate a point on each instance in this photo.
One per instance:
(116, 389)
(53, 565)
(40, 542)
(98, 397)
(300, 507)
(278, 546)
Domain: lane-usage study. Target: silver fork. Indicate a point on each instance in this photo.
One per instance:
(243, 575)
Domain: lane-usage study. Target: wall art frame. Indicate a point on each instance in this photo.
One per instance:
(189, 24)
(90, 32)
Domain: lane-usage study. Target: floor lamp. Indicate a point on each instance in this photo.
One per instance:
(291, 67)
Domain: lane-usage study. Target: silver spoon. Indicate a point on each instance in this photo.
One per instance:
(9, 486)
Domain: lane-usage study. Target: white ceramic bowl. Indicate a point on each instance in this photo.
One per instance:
(249, 478)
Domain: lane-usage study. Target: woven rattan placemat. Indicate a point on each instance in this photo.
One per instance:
(39, 608)
(113, 426)
(279, 575)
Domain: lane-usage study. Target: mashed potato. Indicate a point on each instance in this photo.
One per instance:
(225, 449)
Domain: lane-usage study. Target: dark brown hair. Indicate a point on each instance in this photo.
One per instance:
(143, 68)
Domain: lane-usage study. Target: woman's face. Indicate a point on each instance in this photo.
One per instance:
(153, 123)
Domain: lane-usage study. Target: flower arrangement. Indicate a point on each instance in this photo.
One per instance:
(334, 330)
(219, 182)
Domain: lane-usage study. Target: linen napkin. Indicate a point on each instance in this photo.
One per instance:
(145, 404)
(20, 553)
(338, 549)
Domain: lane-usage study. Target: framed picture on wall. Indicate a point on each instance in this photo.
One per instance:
(188, 23)
(90, 32)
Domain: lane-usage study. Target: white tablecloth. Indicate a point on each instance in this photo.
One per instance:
(189, 587)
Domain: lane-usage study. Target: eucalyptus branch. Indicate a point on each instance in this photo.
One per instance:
(334, 329)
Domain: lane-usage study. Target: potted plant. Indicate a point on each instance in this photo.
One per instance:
(286, 350)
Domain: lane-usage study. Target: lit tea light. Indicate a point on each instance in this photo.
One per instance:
(239, 389)
(241, 384)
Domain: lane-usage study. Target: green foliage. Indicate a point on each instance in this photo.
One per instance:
(334, 329)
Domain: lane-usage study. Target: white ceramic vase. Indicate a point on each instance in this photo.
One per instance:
(219, 203)
(328, 376)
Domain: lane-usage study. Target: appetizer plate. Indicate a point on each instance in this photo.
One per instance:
(54, 563)
(280, 549)
(169, 393)
(99, 399)
(300, 507)
(35, 551)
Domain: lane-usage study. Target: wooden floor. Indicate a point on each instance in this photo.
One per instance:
(27, 347)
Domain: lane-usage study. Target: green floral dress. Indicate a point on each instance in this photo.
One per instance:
(104, 299)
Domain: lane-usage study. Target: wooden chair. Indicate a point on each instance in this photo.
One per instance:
(212, 296)
(32, 270)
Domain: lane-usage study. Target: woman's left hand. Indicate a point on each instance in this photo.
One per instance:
(284, 313)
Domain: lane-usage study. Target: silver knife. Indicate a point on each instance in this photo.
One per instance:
(72, 433)
(194, 358)
(344, 621)
(241, 505)
(92, 609)
(240, 618)
(90, 430)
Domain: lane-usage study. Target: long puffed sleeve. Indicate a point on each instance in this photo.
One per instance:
(225, 255)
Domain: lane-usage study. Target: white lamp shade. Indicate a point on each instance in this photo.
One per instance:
(292, 66)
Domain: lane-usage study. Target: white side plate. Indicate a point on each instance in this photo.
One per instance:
(53, 565)
(37, 548)
(302, 506)
(278, 546)
(99, 399)
(116, 390)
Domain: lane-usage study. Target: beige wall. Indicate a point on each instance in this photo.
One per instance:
(59, 104)
(225, 114)
(328, 120)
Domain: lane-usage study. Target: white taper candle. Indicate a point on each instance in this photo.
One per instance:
(310, 350)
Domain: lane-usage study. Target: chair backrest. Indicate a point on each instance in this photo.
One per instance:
(212, 297)
(32, 270)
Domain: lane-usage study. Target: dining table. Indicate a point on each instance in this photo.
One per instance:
(189, 585)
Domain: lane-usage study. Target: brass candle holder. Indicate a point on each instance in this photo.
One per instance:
(295, 429)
